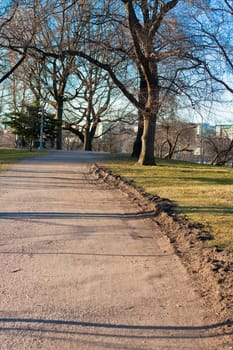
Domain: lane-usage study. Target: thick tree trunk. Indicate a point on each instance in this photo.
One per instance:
(89, 135)
(87, 145)
(59, 123)
(149, 119)
(148, 139)
(137, 146)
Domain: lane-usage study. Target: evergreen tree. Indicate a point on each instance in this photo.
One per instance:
(27, 126)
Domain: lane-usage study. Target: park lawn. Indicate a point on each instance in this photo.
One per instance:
(9, 156)
(202, 193)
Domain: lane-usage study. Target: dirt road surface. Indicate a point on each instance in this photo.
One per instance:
(81, 268)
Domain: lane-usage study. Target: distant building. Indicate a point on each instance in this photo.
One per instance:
(115, 137)
(205, 129)
(224, 131)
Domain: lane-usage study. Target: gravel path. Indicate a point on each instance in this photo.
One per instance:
(81, 268)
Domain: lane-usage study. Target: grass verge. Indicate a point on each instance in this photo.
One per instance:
(9, 156)
(201, 193)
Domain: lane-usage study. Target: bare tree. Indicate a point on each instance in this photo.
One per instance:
(175, 137)
(7, 16)
(18, 27)
(65, 77)
(144, 24)
(221, 148)
(149, 36)
(57, 31)
(92, 105)
(213, 37)
(159, 59)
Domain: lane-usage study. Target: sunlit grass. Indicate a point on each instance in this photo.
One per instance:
(202, 193)
(9, 156)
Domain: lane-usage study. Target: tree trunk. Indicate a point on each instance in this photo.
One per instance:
(87, 145)
(89, 135)
(149, 113)
(148, 139)
(137, 146)
(87, 142)
(59, 123)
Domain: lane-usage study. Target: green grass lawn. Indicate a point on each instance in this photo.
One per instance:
(202, 193)
(9, 156)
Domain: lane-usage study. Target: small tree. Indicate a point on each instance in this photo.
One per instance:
(175, 136)
(27, 126)
(221, 149)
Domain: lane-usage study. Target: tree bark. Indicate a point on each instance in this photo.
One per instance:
(137, 146)
(59, 117)
(87, 145)
(148, 139)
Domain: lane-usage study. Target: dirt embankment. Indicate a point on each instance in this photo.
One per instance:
(210, 267)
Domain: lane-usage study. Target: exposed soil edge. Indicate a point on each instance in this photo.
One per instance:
(210, 267)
